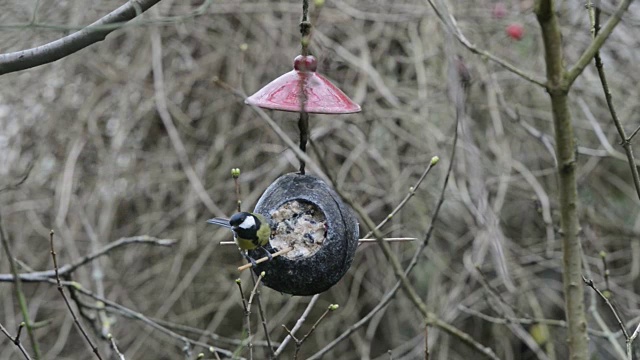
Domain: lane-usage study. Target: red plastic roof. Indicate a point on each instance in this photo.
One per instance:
(320, 95)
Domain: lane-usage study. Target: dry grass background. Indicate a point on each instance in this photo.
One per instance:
(103, 168)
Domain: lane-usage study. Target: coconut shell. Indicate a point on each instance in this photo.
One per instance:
(318, 272)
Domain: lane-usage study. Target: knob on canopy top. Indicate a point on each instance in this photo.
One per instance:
(320, 95)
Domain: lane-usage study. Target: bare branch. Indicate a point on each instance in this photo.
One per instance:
(449, 21)
(66, 300)
(69, 268)
(56, 50)
(16, 340)
(597, 43)
(297, 326)
(594, 17)
(19, 294)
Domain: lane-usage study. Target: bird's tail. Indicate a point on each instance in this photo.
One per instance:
(220, 222)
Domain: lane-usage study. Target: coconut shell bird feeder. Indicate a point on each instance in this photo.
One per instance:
(306, 215)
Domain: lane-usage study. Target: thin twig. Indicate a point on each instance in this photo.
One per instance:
(263, 259)
(248, 312)
(505, 320)
(263, 318)
(20, 181)
(66, 300)
(386, 299)
(594, 17)
(19, 294)
(495, 293)
(235, 174)
(172, 131)
(633, 134)
(297, 326)
(426, 342)
(593, 309)
(430, 318)
(361, 241)
(58, 49)
(603, 257)
(144, 319)
(16, 340)
(449, 22)
(69, 268)
(590, 284)
(315, 325)
(207, 334)
(129, 313)
(596, 44)
(114, 347)
(299, 342)
(410, 194)
(303, 120)
(635, 333)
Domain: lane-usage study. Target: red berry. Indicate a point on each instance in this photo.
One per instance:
(515, 31)
(499, 10)
(305, 63)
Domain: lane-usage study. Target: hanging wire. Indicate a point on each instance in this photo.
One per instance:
(303, 121)
(305, 28)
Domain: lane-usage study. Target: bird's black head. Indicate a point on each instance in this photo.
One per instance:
(242, 220)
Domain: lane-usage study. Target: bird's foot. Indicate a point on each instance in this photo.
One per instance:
(250, 259)
(269, 256)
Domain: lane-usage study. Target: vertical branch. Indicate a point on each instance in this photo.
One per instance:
(303, 121)
(235, 174)
(263, 318)
(426, 342)
(594, 17)
(303, 126)
(247, 317)
(248, 312)
(305, 28)
(18, 293)
(58, 49)
(66, 301)
(16, 340)
(558, 88)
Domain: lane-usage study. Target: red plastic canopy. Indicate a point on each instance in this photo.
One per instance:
(320, 95)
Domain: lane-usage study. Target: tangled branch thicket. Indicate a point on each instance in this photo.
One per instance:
(90, 134)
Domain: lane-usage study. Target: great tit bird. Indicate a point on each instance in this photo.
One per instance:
(250, 231)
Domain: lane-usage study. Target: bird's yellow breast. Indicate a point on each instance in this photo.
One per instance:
(245, 244)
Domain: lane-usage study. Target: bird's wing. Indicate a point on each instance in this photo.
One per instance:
(220, 222)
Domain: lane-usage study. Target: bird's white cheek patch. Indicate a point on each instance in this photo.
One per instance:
(248, 223)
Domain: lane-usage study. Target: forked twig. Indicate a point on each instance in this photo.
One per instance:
(16, 340)
(20, 298)
(297, 326)
(450, 23)
(66, 300)
(299, 342)
(55, 50)
(594, 17)
(412, 192)
(263, 318)
(114, 347)
(69, 268)
(616, 314)
(248, 312)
